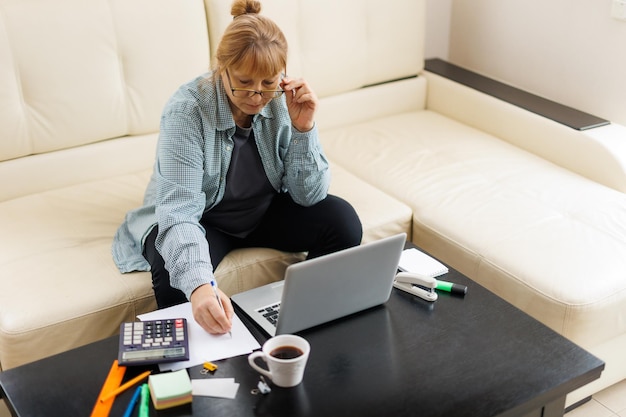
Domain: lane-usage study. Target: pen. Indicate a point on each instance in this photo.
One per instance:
(133, 401)
(125, 386)
(451, 287)
(219, 301)
(144, 407)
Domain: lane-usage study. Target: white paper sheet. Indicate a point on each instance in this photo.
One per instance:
(215, 387)
(203, 346)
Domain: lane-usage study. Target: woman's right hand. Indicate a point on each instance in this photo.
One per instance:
(207, 311)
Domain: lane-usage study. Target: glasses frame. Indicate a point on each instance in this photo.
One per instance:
(248, 92)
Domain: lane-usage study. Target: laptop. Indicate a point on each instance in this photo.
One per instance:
(319, 290)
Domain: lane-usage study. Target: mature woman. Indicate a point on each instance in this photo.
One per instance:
(239, 164)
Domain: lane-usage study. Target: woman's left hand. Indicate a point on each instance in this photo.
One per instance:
(301, 103)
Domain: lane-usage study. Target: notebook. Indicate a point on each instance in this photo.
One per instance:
(319, 290)
(414, 260)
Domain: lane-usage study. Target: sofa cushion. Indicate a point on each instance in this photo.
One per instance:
(381, 215)
(61, 288)
(549, 241)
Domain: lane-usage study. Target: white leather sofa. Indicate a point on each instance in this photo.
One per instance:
(526, 206)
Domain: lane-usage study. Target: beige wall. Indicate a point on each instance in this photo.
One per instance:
(570, 51)
(438, 14)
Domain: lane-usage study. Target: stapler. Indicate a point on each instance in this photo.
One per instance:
(416, 284)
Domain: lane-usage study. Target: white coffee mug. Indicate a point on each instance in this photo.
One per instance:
(286, 356)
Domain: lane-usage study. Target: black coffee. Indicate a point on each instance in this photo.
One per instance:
(286, 352)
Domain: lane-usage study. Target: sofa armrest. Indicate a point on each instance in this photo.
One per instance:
(597, 153)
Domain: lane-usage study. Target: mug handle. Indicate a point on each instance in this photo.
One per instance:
(251, 361)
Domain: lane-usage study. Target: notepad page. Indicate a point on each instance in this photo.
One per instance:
(202, 345)
(414, 260)
(170, 385)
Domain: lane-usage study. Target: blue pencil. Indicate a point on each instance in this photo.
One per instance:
(133, 401)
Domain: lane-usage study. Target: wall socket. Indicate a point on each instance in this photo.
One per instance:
(618, 9)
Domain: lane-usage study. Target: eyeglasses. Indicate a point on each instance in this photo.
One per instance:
(247, 92)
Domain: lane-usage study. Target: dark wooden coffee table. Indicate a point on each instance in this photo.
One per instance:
(460, 356)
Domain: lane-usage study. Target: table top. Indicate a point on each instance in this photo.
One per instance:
(464, 356)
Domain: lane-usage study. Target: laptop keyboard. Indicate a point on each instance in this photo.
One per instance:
(270, 313)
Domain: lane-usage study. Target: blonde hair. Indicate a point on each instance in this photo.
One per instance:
(251, 43)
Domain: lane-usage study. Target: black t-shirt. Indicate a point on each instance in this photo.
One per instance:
(248, 192)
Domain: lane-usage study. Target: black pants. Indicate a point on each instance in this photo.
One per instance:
(326, 227)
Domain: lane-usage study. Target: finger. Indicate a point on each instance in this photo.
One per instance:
(304, 97)
(228, 307)
(294, 84)
(220, 318)
(304, 94)
(291, 97)
(212, 319)
(201, 300)
(208, 323)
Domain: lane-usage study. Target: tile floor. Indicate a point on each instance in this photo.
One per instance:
(608, 403)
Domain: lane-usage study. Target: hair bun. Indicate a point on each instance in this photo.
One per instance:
(241, 7)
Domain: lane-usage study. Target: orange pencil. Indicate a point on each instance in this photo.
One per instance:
(125, 386)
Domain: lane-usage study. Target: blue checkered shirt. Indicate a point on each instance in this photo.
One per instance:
(193, 156)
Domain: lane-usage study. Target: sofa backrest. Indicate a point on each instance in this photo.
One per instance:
(83, 82)
(342, 45)
(77, 72)
(350, 51)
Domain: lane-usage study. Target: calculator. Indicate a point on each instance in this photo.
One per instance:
(153, 341)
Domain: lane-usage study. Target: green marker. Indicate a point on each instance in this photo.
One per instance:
(451, 287)
(144, 407)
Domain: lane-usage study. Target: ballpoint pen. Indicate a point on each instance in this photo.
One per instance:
(219, 301)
